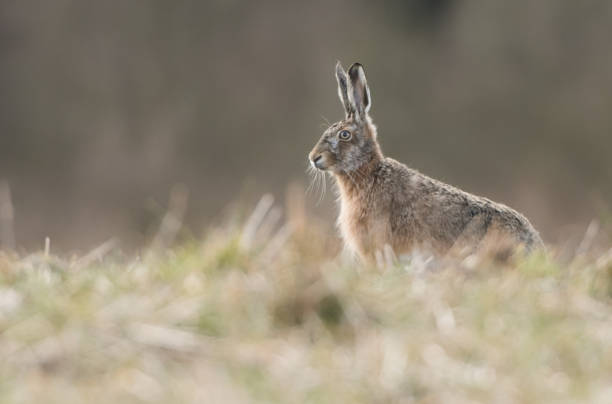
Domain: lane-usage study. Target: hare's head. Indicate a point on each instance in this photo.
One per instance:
(350, 143)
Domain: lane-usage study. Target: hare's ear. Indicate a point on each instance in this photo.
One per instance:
(343, 89)
(359, 92)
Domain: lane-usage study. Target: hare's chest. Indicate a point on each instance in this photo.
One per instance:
(364, 230)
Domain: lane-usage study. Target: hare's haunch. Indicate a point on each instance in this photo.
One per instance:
(383, 202)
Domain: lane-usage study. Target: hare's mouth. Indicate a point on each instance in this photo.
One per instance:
(319, 162)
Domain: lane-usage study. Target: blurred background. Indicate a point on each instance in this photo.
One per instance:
(107, 105)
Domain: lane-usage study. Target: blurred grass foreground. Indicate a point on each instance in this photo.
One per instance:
(265, 310)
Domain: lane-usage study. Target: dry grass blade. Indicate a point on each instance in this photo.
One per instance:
(7, 217)
(255, 220)
(92, 256)
(173, 219)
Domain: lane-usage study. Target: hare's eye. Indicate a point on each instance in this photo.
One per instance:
(344, 135)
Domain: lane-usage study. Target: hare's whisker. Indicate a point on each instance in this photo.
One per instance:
(313, 178)
(323, 187)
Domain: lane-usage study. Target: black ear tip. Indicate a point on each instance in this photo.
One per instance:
(354, 69)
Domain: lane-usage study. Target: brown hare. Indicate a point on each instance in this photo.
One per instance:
(385, 204)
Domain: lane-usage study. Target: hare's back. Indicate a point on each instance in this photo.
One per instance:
(437, 213)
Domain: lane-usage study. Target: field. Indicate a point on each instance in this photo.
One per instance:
(264, 310)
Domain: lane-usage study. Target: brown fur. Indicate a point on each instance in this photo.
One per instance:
(383, 202)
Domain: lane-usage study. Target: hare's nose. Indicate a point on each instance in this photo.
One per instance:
(316, 161)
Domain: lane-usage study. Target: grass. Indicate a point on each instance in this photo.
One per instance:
(258, 313)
